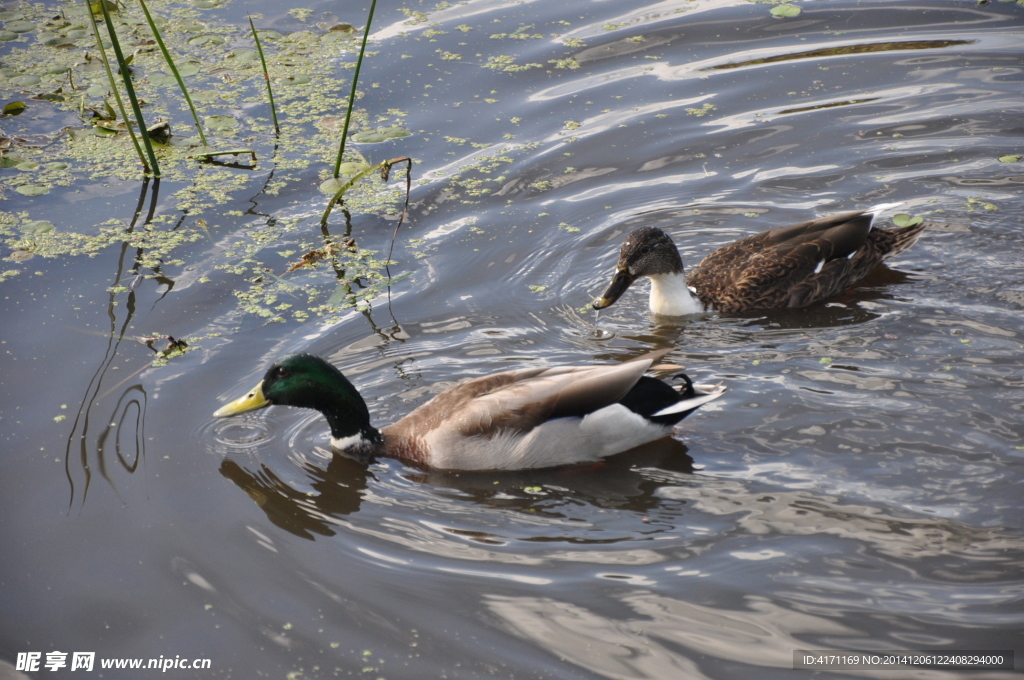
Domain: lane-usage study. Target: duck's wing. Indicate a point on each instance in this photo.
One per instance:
(796, 265)
(512, 402)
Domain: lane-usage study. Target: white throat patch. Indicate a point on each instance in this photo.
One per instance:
(671, 297)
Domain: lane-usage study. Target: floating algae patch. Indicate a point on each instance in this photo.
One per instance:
(48, 58)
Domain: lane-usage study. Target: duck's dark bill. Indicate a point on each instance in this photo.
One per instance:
(250, 402)
(620, 282)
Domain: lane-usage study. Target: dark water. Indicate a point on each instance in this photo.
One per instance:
(858, 488)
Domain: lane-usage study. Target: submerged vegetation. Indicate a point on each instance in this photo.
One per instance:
(53, 70)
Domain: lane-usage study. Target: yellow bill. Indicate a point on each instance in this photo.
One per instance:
(250, 402)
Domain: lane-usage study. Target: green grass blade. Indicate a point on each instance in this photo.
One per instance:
(352, 95)
(174, 70)
(266, 76)
(113, 87)
(129, 89)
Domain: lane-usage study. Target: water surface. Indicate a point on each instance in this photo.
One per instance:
(859, 487)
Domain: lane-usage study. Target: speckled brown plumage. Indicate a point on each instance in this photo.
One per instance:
(792, 266)
(775, 269)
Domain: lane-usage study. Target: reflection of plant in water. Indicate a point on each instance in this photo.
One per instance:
(222, 82)
(130, 411)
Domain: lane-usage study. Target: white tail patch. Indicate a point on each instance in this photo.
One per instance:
(714, 392)
(881, 207)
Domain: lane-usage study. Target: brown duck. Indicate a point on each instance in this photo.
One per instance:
(791, 266)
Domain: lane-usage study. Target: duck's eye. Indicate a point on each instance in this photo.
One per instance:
(281, 372)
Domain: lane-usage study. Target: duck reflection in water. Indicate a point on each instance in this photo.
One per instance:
(333, 492)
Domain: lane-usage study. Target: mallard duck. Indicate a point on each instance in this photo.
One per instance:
(526, 418)
(791, 266)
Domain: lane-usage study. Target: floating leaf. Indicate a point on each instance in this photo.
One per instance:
(37, 227)
(244, 56)
(207, 39)
(27, 166)
(538, 289)
(20, 26)
(160, 132)
(32, 190)
(351, 169)
(825, 360)
(1012, 158)
(380, 135)
(14, 108)
(188, 70)
(9, 161)
(221, 123)
(162, 79)
(25, 81)
(297, 79)
(60, 43)
(58, 165)
(331, 186)
(8, 35)
(368, 137)
(394, 132)
(782, 11)
(905, 220)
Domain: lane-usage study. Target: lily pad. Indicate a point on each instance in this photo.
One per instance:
(190, 26)
(368, 137)
(244, 56)
(188, 70)
(394, 132)
(905, 220)
(32, 190)
(37, 227)
(9, 161)
(1010, 158)
(297, 79)
(221, 123)
(14, 108)
(58, 165)
(8, 35)
(380, 135)
(784, 11)
(60, 43)
(162, 79)
(25, 81)
(331, 186)
(20, 26)
(27, 166)
(336, 36)
(351, 168)
(207, 39)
